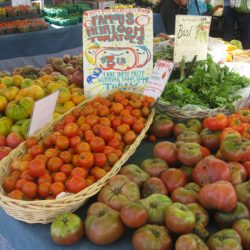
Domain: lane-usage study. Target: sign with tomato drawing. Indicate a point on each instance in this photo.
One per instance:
(191, 37)
(117, 48)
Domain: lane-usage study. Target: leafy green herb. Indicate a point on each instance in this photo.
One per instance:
(209, 86)
(166, 53)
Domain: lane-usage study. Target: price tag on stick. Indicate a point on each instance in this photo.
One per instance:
(191, 37)
(43, 112)
(158, 79)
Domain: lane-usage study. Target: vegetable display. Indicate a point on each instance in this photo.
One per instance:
(209, 86)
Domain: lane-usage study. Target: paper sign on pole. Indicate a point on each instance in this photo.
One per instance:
(117, 48)
(160, 75)
(43, 112)
(191, 37)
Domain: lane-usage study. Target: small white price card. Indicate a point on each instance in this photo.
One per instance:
(157, 81)
(191, 37)
(43, 112)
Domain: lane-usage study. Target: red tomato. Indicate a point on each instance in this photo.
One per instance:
(59, 177)
(66, 156)
(123, 128)
(116, 122)
(100, 159)
(103, 110)
(44, 178)
(29, 189)
(75, 184)
(138, 126)
(82, 147)
(105, 121)
(106, 133)
(114, 143)
(44, 189)
(117, 108)
(51, 152)
(69, 119)
(20, 183)
(92, 120)
(97, 144)
(71, 129)
(84, 127)
(79, 172)
(66, 168)
(9, 184)
(31, 141)
(86, 160)
(37, 168)
(36, 150)
(218, 122)
(16, 194)
(54, 164)
(98, 172)
(62, 142)
(56, 188)
(129, 137)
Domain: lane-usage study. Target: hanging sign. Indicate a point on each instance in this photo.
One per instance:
(157, 81)
(43, 112)
(191, 37)
(117, 48)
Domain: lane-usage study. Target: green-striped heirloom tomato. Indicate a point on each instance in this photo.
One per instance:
(210, 139)
(162, 126)
(243, 193)
(189, 136)
(154, 167)
(153, 185)
(242, 227)
(190, 242)
(118, 192)
(135, 174)
(227, 219)
(152, 237)
(179, 218)
(190, 125)
(238, 173)
(219, 195)
(103, 224)
(187, 194)
(233, 148)
(67, 229)
(210, 169)
(189, 153)
(201, 215)
(156, 205)
(226, 239)
(134, 215)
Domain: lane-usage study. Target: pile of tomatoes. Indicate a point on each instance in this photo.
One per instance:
(198, 177)
(82, 148)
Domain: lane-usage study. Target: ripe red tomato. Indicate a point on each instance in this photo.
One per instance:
(71, 129)
(62, 142)
(79, 171)
(173, 178)
(112, 159)
(114, 143)
(82, 147)
(37, 168)
(69, 119)
(123, 128)
(74, 140)
(100, 159)
(105, 121)
(44, 189)
(66, 168)
(29, 189)
(59, 177)
(66, 156)
(98, 173)
(31, 141)
(129, 137)
(218, 122)
(51, 152)
(117, 108)
(56, 188)
(103, 110)
(92, 120)
(75, 184)
(128, 119)
(54, 164)
(97, 144)
(44, 178)
(106, 133)
(36, 150)
(84, 127)
(26, 175)
(9, 184)
(89, 135)
(86, 160)
(16, 194)
(138, 126)
(20, 183)
(116, 122)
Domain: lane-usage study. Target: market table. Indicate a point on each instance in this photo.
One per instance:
(17, 235)
(34, 48)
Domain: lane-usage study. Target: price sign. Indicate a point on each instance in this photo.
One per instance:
(117, 48)
(43, 112)
(191, 37)
(159, 78)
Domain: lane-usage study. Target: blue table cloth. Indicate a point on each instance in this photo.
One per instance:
(34, 48)
(17, 235)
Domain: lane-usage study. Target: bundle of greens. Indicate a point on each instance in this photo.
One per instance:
(209, 86)
(166, 53)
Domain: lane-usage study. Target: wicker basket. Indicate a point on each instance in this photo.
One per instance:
(44, 211)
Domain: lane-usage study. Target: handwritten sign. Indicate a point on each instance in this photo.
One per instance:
(191, 37)
(159, 78)
(117, 48)
(43, 112)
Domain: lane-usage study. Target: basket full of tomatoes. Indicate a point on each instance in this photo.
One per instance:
(70, 160)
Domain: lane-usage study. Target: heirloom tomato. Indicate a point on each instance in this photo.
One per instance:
(218, 122)
(153, 185)
(242, 227)
(190, 242)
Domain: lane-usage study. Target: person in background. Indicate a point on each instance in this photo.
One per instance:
(168, 10)
(230, 18)
(197, 7)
